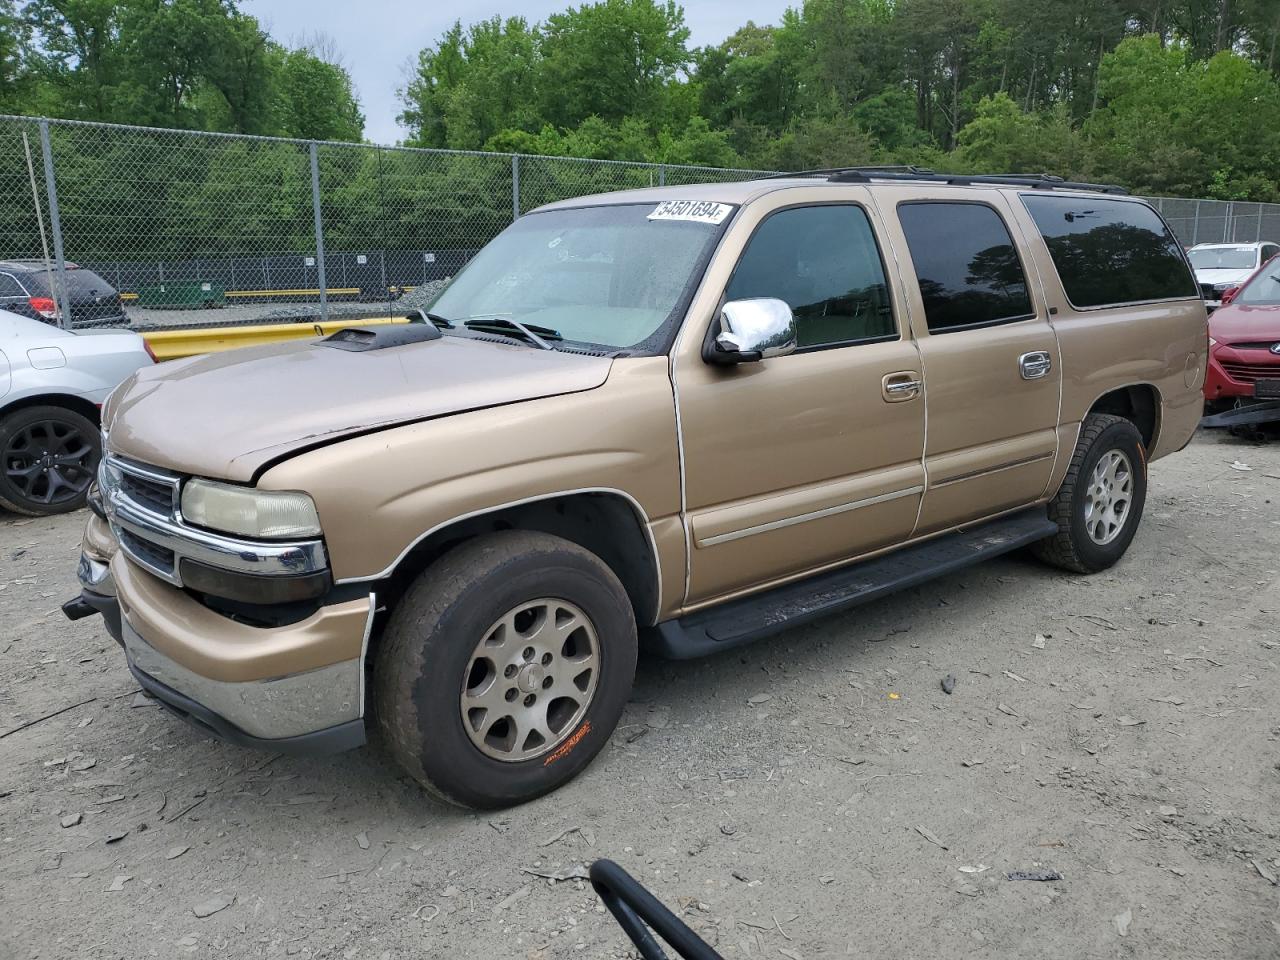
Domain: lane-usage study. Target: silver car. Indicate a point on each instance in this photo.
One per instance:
(1221, 266)
(52, 385)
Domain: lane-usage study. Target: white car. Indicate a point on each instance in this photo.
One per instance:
(52, 384)
(1221, 266)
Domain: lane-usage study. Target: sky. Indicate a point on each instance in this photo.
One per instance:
(380, 38)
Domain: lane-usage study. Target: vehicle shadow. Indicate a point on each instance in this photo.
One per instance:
(666, 694)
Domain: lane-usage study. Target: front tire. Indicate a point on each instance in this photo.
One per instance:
(1099, 505)
(505, 668)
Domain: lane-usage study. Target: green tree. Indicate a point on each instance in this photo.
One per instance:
(843, 50)
(182, 63)
(85, 63)
(748, 79)
(1002, 138)
(17, 77)
(939, 39)
(243, 73)
(473, 84)
(315, 99)
(167, 53)
(1150, 130)
(820, 142)
(609, 59)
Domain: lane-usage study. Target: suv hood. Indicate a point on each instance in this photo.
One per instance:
(227, 415)
(1224, 276)
(1241, 323)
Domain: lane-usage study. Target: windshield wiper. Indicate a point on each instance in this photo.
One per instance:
(514, 328)
(441, 323)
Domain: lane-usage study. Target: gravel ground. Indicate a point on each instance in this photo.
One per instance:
(813, 796)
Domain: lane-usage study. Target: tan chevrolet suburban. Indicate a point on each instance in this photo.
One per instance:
(677, 418)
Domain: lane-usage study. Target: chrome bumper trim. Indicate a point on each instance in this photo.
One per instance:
(270, 709)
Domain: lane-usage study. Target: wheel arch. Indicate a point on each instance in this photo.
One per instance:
(1139, 403)
(609, 523)
(69, 401)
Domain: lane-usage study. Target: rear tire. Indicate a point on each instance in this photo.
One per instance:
(463, 705)
(48, 458)
(1099, 505)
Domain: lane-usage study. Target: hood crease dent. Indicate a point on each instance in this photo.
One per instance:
(229, 415)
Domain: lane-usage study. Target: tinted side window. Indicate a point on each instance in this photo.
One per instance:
(1111, 251)
(37, 283)
(86, 281)
(9, 287)
(823, 261)
(967, 265)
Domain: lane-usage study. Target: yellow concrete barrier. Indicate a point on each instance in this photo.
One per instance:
(174, 344)
(264, 294)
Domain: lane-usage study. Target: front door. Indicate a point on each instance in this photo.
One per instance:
(797, 462)
(991, 362)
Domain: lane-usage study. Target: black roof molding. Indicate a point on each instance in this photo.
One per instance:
(913, 174)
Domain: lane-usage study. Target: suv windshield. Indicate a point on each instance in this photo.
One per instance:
(1223, 258)
(1263, 289)
(613, 276)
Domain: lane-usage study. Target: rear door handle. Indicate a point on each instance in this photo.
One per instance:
(903, 385)
(1035, 365)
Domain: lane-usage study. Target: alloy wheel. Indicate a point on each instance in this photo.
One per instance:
(530, 680)
(1108, 497)
(49, 462)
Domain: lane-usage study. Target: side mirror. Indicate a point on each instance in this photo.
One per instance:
(752, 330)
(1229, 294)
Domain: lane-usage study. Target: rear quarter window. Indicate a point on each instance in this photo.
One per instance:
(1109, 252)
(80, 282)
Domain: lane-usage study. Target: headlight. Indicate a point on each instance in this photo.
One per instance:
(1213, 342)
(269, 514)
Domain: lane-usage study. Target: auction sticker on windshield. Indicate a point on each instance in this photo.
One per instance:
(703, 211)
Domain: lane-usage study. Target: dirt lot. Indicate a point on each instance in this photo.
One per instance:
(815, 796)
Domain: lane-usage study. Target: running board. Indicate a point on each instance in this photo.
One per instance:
(738, 622)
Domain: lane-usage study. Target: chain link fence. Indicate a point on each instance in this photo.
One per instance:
(1220, 221)
(167, 227)
(104, 225)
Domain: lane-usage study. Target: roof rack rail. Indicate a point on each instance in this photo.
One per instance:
(1044, 181)
(831, 172)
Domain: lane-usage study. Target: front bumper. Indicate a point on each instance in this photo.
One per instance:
(297, 688)
(1233, 372)
(256, 705)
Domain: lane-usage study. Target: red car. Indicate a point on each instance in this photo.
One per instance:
(1244, 342)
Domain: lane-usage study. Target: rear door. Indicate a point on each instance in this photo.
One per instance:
(990, 358)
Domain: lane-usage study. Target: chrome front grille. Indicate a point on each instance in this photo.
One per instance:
(150, 493)
(152, 556)
(143, 506)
